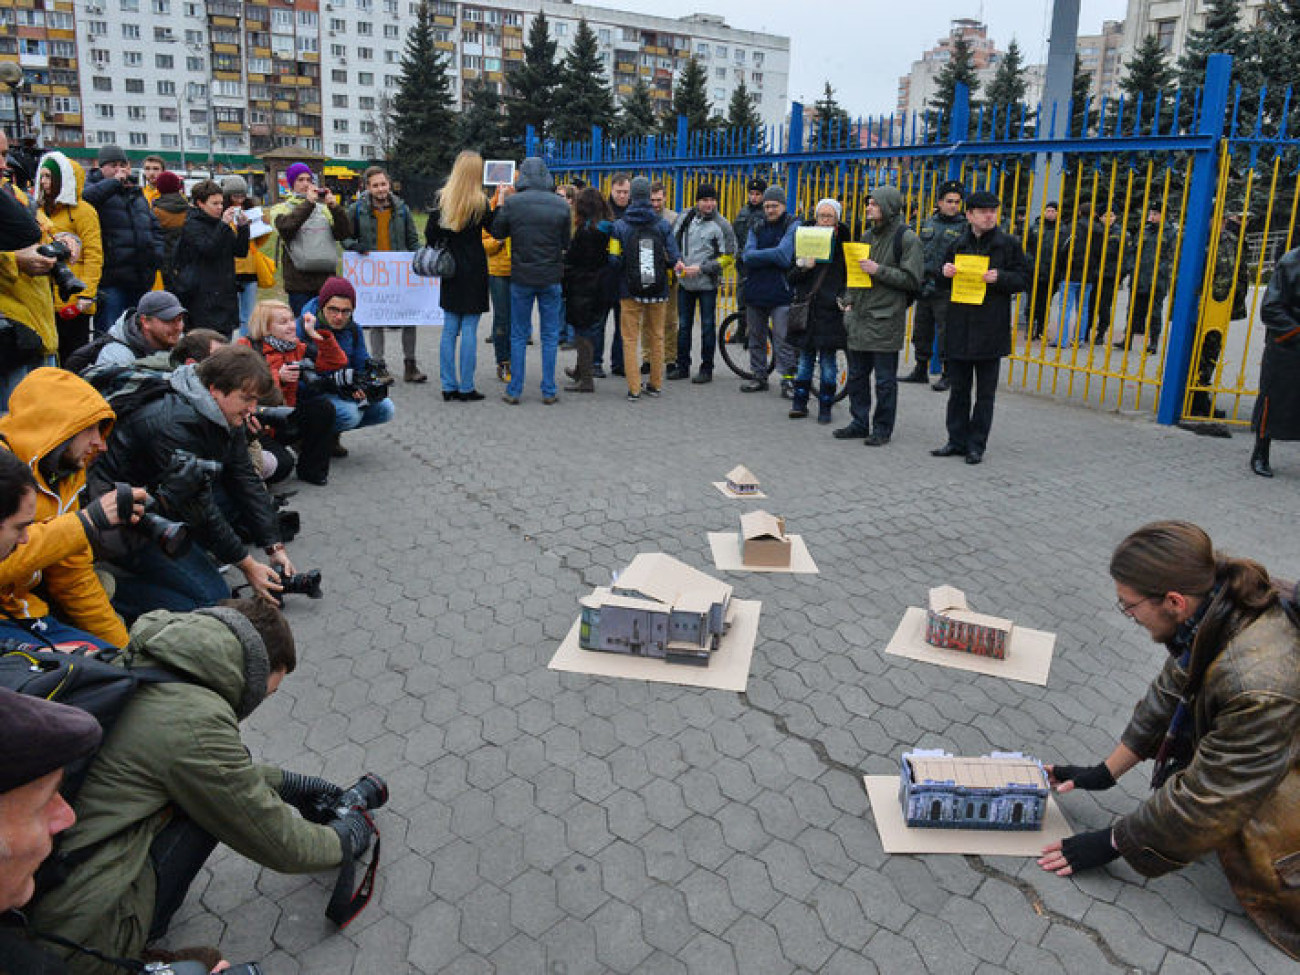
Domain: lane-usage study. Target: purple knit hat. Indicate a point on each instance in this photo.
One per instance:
(296, 170)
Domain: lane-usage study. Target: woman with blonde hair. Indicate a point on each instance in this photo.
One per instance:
(457, 223)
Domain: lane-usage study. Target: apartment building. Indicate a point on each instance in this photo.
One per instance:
(229, 79)
(1172, 20)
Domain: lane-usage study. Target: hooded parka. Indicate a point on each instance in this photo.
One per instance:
(877, 318)
(539, 225)
(69, 213)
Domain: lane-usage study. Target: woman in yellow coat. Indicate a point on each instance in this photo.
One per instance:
(59, 197)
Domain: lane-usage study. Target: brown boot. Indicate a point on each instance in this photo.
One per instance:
(413, 374)
(581, 374)
(336, 446)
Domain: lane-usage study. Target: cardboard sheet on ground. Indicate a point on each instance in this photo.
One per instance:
(897, 837)
(1029, 658)
(853, 253)
(968, 287)
(725, 547)
(728, 493)
(728, 670)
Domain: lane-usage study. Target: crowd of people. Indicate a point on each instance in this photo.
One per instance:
(151, 402)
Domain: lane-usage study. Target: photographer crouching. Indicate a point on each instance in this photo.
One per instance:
(189, 448)
(175, 778)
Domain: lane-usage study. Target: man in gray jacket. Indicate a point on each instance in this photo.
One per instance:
(154, 325)
(706, 242)
(539, 225)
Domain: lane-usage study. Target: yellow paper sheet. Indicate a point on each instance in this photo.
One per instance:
(814, 242)
(968, 287)
(853, 253)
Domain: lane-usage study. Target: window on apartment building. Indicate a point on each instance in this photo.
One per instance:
(393, 81)
(492, 16)
(57, 20)
(719, 94)
(308, 18)
(135, 86)
(135, 113)
(366, 103)
(365, 4)
(471, 62)
(66, 103)
(471, 37)
(339, 76)
(338, 24)
(228, 89)
(367, 126)
(198, 116)
(631, 34)
(198, 141)
(720, 74)
(129, 6)
(102, 82)
(194, 10)
(561, 29)
(339, 101)
(1165, 33)
(100, 57)
(366, 29)
(392, 32)
(161, 6)
(258, 117)
(392, 7)
(340, 125)
(195, 64)
(132, 59)
(168, 114)
(365, 78)
(169, 140)
(756, 77)
(366, 53)
(167, 88)
(512, 19)
(139, 140)
(282, 20)
(106, 137)
(222, 62)
(308, 44)
(163, 34)
(702, 50)
(392, 57)
(226, 114)
(282, 44)
(342, 149)
(758, 58)
(31, 18)
(472, 14)
(259, 65)
(96, 28)
(164, 62)
(338, 50)
(740, 56)
(367, 151)
(103, 111)
(131, 32)
(194, 91)
(720, 51)
(194, 37)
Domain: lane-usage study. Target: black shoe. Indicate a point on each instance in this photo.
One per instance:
(949, 450)
(450, 395)
(1260, 467)
(675, 373)
(754, 386)
(598, 372)
(798, 412)
(651, 391)
(941, 385)
(311, 477)
(645, 368)
(473, 396)
(1119, 345)
(703, 376)
(974, 457)
(917, 375)
(851, 432)
(876, 440)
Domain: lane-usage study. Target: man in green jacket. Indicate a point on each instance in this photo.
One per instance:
(875, 318)
(175, 779)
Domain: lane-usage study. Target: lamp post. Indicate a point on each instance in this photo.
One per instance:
(12, 75)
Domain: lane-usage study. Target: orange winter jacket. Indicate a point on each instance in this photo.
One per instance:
(48, 408)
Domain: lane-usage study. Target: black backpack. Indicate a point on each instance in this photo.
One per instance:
(127, 388)
(645, 262)
(84, 357)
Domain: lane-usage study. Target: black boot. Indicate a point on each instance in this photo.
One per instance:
(581, 373)
(825, 402)
(799, 401)
(918, 375)
(1259, 458)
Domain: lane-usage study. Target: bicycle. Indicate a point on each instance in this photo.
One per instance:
(740, 363)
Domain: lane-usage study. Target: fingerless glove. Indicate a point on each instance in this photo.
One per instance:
(1084, 851)
(1094, 778)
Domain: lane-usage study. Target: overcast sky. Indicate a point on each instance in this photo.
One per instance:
(863, 46)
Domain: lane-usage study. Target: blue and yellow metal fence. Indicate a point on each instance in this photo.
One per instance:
(1175, 190)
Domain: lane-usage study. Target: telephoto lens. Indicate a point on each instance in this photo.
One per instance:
(303, 583)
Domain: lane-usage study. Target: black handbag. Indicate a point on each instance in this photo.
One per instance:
(801, 310)
(19, 345)
(433, 262)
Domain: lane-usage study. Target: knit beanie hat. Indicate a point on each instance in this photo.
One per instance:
(111, 154)
(828, 202)
(706, 191)
(640, 190)
(231, 185)
(337, 288)
(774, 194)
(168, 182)
(296, 170)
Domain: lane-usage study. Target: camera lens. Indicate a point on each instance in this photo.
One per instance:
(173, 537)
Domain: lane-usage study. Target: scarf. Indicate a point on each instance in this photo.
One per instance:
(281, 345)
(1174, 750)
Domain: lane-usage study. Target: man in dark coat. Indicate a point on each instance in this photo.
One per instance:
(937, 233)
(133, 240)
(1048, 249)
(979, 334)
(1148, 264)
(205, 259)
(1277, 411)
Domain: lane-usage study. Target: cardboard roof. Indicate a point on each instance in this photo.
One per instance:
(761, 524)
(950, 602)
(654, 575)
(985, 772)
(947, 597)
(740, 474)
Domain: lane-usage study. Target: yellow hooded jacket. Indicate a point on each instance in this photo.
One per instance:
(26, 299)
(74, 215)
(48, 408)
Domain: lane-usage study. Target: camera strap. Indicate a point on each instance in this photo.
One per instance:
(345, 903)
(124, 963)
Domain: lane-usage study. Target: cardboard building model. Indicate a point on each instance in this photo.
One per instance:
(950, 624)
(1002, 790)
(741, 481)
(763, 539)
(658, 607)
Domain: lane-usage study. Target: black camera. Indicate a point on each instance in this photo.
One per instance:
(369, 792)
(173, 537)
(303, 583)
(197, 968)
(67, 282)
(374, 381)
(183, 458)
(274, 415)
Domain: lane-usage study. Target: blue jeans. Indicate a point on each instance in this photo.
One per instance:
(499, 289)
(181, 585)
(829, 377)
(247, 302)
(349, 414)
(521, 324)
(110, 303)
(1075, 294)
(50, 629)
(464, 328)
(885, 366)
(687, 302)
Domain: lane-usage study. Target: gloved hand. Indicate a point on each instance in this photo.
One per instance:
(355, 831)
(184, 482)
(1084, 851)
(1093, 778)
(309, 794)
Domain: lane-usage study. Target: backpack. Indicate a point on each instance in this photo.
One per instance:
(127, 388)
(909, 293)
(84, 357)
(312, 249)
(645, 262)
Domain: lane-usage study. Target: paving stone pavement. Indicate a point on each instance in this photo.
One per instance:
(561, 824)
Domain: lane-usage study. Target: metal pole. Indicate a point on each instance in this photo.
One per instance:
(1196, 240)
(180, 128)
(1057, 84)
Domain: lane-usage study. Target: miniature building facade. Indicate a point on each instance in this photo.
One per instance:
(741, 481)
(1002, 790)
(950, 624)
(763, 540)
(658, 607)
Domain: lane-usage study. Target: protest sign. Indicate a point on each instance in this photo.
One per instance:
(388, 293)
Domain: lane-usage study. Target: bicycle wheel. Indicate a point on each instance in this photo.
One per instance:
(726, 336)
(841, 375)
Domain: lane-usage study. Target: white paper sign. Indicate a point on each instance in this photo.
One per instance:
(257, 225)
(388, 294)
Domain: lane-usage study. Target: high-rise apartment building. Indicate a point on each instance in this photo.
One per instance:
(232, 78)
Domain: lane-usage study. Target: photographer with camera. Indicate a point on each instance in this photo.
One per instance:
(49, 592)
(358, 393)
(132, 238)
(311, 222)
(175, 779)
(189, 447)
(60, 181)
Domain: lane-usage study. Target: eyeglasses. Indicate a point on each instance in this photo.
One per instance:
(1127, 608)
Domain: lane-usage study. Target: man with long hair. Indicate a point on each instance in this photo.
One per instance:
(1221, 723)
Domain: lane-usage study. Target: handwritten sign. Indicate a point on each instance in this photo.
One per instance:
(968, 287)
(389, 295)
(853, 253)
(814, 242)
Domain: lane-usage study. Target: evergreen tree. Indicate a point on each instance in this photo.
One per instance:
(1080, 89)
(742, 111)
(1149, 77)
(424, 146)
(960, 68)
(1220, 35)
(583, 98)
(481, 126)
(533, 84)
(690, 98)
(637, 117)
(1275, 42)
(830, 127)
(1006, 92)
